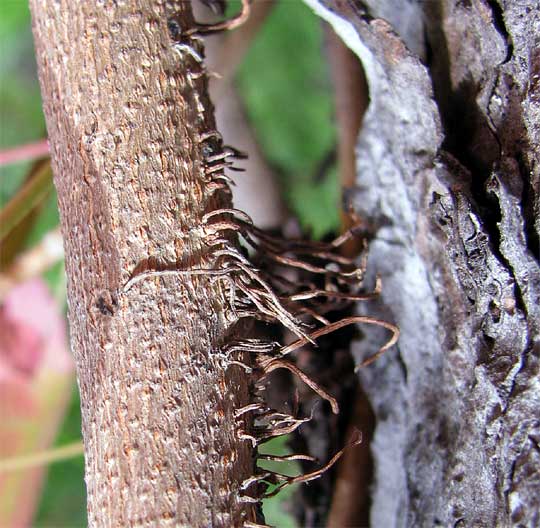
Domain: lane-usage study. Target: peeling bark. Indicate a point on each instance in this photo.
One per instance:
(449, 176)
(128, 118)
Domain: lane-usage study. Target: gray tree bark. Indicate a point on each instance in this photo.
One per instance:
(449, 177)
(130, 127)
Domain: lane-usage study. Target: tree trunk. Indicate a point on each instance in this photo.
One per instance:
(449, 176)
(131, 131)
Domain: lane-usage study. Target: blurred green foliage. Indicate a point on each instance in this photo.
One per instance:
(285, 85)
(276, 508)
(286, 88)
(21, 117)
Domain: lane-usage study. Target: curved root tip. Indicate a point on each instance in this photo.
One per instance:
(226, 25)
(280, 363)
(345, 322)
(286, 458)
(355, 440)
(389, 344)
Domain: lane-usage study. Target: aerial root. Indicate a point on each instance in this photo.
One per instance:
(248, 408)
(258, 346)
(250, 500)
(270, 364)
(225, 25)
(268, 424)
(148, 274)
(282, 481)
(242, 435)
(286, 458)
(345, 322)
(247, 368)
(357, 439)
(249, 524)
(290, 282)
(265, 432)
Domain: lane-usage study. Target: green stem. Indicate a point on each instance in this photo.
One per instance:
(28, 196)
(41, 458)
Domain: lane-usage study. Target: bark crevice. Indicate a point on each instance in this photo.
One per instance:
(461, 278)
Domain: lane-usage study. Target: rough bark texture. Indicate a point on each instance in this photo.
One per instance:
(449, 176)
(126, 113)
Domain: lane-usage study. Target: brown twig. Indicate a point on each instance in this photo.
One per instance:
(225, 25)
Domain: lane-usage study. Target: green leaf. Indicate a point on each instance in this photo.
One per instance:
(286, 89)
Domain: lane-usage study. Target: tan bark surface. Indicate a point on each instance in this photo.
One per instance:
(126, 114)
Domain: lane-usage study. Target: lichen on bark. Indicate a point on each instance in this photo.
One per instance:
(448, 173)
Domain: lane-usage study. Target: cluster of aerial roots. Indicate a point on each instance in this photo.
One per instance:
(293, 283)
